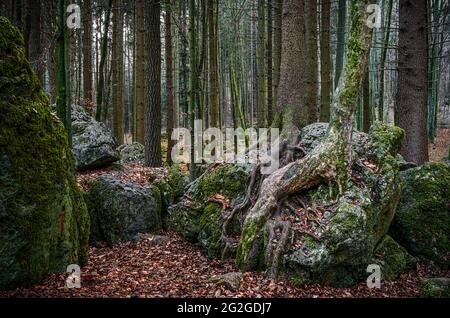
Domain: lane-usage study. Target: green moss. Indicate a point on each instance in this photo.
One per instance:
(37, 183)
(422, 221)
(228, 180)
(210, 224)
(393, 258)
(177, 180)
(435, 288)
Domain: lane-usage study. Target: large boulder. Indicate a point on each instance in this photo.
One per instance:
(44, 225)
(343, 234)
(94, 145)
(422, 221)
(332, 239)
(121, 210)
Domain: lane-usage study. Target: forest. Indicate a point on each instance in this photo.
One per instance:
(222, 149)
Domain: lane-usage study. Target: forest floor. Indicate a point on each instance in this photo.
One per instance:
(177, 268)
(439, 149)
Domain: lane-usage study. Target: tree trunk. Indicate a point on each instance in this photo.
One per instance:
(87, 54)
(63, 102)
(412, 79)
(262, 115)
(213, 59)
(269, 63)
(387, 30)
(278, 10)
(117, 72)
(169, 79)
(325, 62)
(342, 17)
(291, 91)
(34, 45)
(311, 61)
(153, 87)
(139, 70)
(100, 114)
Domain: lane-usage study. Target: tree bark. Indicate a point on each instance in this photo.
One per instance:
(269, 62)
(412, 79)
(291, 90)
(100, 114)
(262, 114)
(117, 72)
(153, 87)
(87, 54)
(325, 62)
(311, 64)
(213, 60)
(169, 79)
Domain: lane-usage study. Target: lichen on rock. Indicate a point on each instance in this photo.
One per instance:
(44, 225)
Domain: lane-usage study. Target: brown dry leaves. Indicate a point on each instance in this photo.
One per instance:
(181, 269)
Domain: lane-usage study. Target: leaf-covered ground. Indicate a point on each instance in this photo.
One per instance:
(178, 268)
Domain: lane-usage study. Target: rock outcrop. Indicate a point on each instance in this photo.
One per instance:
(44, 225)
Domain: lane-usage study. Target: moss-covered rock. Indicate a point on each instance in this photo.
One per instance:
(338, 248)
(44, 225)
(121, 210)
(177, 180)
(196, 218)
(131, 153)
(392, 258)
(94, 145)
(422, 221)
(435, 288)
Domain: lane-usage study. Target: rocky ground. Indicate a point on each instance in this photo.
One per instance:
(173, 267)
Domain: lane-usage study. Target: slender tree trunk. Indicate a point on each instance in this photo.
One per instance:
(193, 84)
(311, 64)
(262, 114)
(153, 87)
(139, 64)
(277, 11)
(169, 79)
(100, 114)
(269, 62)
(412, 81)
(117, 72)
(87, 54)
(184, 65)
(35, 50)
(63, 102)
(325, 62)
(387, 28)
(213, 43)
(366, 104)
(342, 18)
